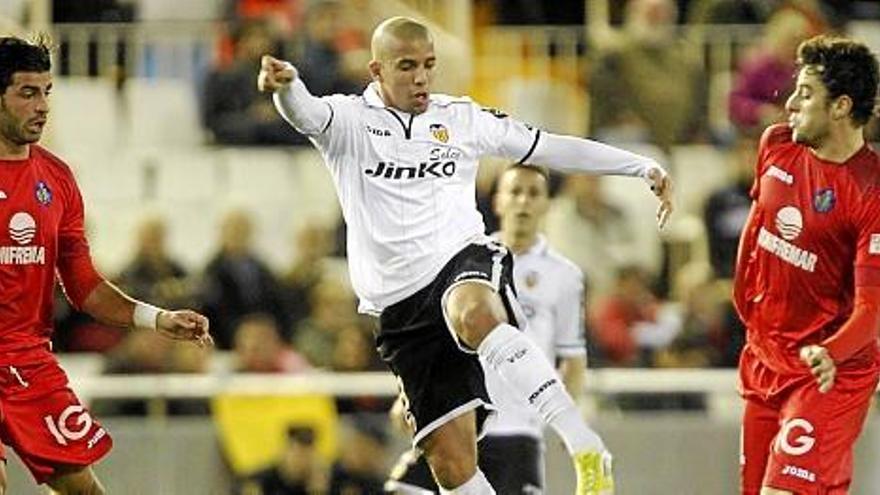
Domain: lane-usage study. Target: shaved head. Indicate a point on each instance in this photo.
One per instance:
(394, 30)
(403, 63)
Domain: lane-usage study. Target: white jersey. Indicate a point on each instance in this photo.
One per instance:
(550, 289)
(407, 185)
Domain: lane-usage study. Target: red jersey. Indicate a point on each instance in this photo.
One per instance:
(813, 235)
(41, 234)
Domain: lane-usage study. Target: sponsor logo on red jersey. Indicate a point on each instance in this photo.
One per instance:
(22, 230)
(778, 173)
(789, 224)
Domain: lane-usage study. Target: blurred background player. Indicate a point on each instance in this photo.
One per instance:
(807, 282)
(550, 289)
(43, 420)
(431, 271)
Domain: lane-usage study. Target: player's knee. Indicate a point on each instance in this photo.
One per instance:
(473, 313)
(474, 322)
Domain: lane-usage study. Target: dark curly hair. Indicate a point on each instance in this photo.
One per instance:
(846, 67)
(19, 55)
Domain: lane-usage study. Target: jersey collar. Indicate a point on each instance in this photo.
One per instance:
(372, 96)
(539, 247)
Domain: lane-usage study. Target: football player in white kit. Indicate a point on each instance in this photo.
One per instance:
(404, 163)
(550, 290)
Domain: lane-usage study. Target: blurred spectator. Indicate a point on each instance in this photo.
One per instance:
(728, 12)
(187, 358)
(313, 243)
(232, 107)
(286, 15)
(330, 62)
(259, 348)
(333, 308)
(727, 209)
(299, 470)
(698, 344)
(76, 331)
(647, 87)
(629, 326)
(142, 352)
(765, 77)
(355, 351)
(152, 274)
(590, 231)
(360, 469)
(236, 282)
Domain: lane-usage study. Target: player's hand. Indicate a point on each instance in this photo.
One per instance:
(275, 74)
(661, 185)
(821, 365)
(184, 325)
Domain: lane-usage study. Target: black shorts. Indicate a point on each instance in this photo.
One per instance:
(512, 464)
(440, 378)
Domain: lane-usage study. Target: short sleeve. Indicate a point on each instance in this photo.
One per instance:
(569, 314)
(867, 260)
(773, 135)
(500, 135)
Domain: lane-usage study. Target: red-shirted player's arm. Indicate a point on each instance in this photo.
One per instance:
(861, 327)
(88, 290)
(74, 261)
(110, 305)
(84, 286)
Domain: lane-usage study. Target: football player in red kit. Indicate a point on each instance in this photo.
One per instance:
(807, 281)
(41, 235)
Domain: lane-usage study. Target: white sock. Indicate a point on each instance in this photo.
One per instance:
(527, 371)
(477, 485)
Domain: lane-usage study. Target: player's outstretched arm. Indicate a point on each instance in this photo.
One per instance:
(306, 113)
(109, 305)
(571, 154)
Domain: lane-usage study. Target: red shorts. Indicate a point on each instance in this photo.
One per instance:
(794, 437)
(44, 422)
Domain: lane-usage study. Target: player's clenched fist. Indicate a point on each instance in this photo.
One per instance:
(661, 184)
(275, 74)
(184, 325)
(821, 365)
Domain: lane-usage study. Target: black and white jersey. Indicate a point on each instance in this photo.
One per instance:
(406, 184)
(550, 290)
